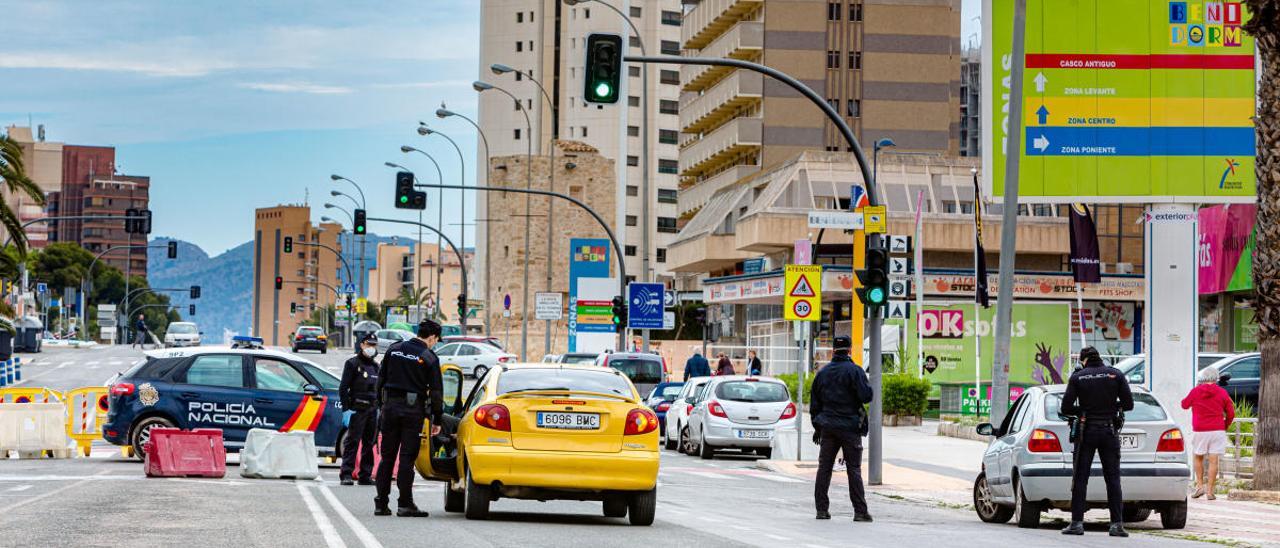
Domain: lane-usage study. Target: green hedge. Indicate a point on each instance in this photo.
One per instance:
(904, 394)
(791, 379)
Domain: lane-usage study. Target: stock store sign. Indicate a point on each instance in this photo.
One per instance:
(1039, 287)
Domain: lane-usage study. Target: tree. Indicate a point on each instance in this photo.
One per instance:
(1264, 26)
(13, 178)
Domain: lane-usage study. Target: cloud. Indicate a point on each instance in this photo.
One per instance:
(313, 89)
(424, 85)
(155, 66)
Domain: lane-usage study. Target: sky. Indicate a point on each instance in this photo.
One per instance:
(233, 105)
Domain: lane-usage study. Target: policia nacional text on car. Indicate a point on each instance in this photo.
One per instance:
(409, 385)
(1098, 395)
(358, 393)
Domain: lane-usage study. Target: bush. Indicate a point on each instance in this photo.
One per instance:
(790, 379)
(904, 394)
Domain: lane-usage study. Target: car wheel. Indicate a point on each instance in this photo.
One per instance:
(293, 349)
(324, 350)
(988, 510)
(1174, 515)
(705, 450)
(479, 371)
(643, 506)
(1135, 515)
(615, 507)
(142, 433)
(685, 446)
(475, 499)
(454, 501)
(1025, 512)
(668, 443)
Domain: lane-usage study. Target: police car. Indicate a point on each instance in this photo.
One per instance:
(230, 388)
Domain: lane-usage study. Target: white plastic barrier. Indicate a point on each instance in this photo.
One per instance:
(272, 455)
(31, 428)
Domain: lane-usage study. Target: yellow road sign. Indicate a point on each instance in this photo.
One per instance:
(802, 293)
(876, 219)
(362, 305)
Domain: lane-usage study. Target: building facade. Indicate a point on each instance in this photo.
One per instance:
(104, 194)
(309, 273)
(43, 163)
(394, 277)
(971, 104)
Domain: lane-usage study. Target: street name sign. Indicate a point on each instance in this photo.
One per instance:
(844, 220)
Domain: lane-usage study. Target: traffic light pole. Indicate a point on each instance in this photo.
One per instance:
(617, 249)
(462, 264)
(874, 449)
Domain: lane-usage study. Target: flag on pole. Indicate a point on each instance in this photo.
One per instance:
(979, 254)
(1085, 266)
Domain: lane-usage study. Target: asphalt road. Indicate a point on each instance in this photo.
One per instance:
(105, 500)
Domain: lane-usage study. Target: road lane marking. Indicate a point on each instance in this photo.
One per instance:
(712, 475)
(362, 533)
(8, 510)
(19, 488)
(776, 537)
(330, 534)
(779, 479)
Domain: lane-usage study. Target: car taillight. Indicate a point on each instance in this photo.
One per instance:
(1043, 441)
(494, 416)
(688, 409)
(1170, 441)
(504, 359)
(298, 338)
(322, 337)
(121, 389)
(789, 412)
(640, 421)
(664, 406)
(716, 409)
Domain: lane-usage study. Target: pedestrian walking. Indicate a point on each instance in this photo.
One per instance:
(754, 367)
(358, 394)
(1211, 413)
(1099, 395)
(696, 366)
(836, 401)
(725, 366)
(410, 390)
(140, 332)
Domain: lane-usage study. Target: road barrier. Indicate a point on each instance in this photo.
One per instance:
(276, 455)
(172, 452)
(86, 412)
(32, 429)
(17, 370)
(29, 395)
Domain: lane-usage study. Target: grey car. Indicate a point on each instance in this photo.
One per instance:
(1027, 468)
(738, 412)
(388, 337)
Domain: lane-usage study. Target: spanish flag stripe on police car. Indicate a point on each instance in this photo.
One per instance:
(307, 415)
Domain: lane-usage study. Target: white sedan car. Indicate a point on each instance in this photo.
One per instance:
(473, 358)
(738, 412)
(678, 413)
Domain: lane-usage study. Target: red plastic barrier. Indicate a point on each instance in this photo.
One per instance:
(172, 452)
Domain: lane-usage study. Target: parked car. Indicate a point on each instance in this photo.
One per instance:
(677, 416)
(309, 337)
(491, 341)
(182, 334)
(388, 337)
(1135, 367)
(473, 358)
(659, 400)
(1027, 466)
(576, 357)
(645, 370)
(1243, 376)
(738, 412)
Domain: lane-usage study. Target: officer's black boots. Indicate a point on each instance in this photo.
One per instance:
(1117, 530)
(411, 512)
(1076, 528)
(381, 510)
(822, 514)
(364, 481)
(346, 481)
(862, 517)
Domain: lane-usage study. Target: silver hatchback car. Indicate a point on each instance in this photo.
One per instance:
(1027, 466)
(738, 412)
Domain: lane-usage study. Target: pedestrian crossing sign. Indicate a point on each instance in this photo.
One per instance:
(802, 297)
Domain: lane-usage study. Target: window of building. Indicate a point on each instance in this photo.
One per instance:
(670, 47)
(669, 76)
(519, 46)
(636, 11)
(519, 16)
(668, 136)
(671, 18)
(633, 131)
(633, 101)
(530, 16)
(516, 104)
(1042, 210)
(661, 254)
(670, 167)
(666, 195)
(633, 71)
(632, 220)
(854, 108)
(834, 10)
(517, 134)
(519, 76)
(633, 190)
(634, 42)
(586, 13)
(633, 160)
(667, 106)
(667, 224)
(584, 131)
(575, 192)
(855, 60)
(855, 12)
(630, 250)
(833, 59)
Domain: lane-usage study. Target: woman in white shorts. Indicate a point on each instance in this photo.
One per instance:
(1211, 413)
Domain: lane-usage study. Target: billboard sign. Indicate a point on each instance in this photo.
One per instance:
(588, 259)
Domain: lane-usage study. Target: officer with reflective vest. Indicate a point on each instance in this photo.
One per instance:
(410, 390)
(1098, 395)
(359, 395)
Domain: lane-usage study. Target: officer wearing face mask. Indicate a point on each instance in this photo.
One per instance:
(358, 393)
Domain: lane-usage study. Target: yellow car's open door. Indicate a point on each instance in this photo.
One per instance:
(437, 459)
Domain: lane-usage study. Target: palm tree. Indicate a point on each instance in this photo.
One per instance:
(1264, 26)
(14, 178)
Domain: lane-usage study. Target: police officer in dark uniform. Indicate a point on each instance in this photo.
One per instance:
(359, 395)
(1098, 395)
(410, 390)
(836, 397)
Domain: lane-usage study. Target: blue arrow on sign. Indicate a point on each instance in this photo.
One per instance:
(1042, 114)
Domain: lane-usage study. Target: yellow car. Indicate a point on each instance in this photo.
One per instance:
(542, 432)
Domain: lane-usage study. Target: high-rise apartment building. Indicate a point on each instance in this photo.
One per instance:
(971, 103)
(545, 39)
(891, 68)
(43, 163)
(394, 276)
(309, 273)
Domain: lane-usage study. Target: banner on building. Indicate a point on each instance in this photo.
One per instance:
(1040, 351)
(1086, 267)
(1226, 248)
(588, 259)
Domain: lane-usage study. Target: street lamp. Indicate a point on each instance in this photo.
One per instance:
(439, 209)
(875, 154)
(425, 130)
(340, 208)
(336, 193)
(364, 204)
(445, 113)
(499, 69)
(481, 87)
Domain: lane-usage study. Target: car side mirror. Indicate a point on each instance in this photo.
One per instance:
(311, 390)
(1224, 379)
(985, 429)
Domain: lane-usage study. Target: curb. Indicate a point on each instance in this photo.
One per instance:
(1272, 497)
(961, 431)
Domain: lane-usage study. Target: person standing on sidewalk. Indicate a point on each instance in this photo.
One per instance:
(754, 367)
(1211, 413)
(836, 398)
(411, 390)
(696, 366)
(725, 367)
(1098, 394)
(357, 393)
(140, 332)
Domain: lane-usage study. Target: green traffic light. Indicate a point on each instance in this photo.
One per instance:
(404, 199)
(603, 89)
(875, 295)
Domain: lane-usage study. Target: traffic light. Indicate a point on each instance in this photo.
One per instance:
(130, 224)
(619, 313)
(293, 308)
(288, 244)
(700, 315)
(173, 249)
(191, 310)
(874, 277)
(195, 292)
(406, 196)
(279, 283)
(462, 305)
(144, 224)
(604, 68)
(359, 228)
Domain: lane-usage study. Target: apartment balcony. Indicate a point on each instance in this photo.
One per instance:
(744, 41)
(709, 18)
(705, 254)
(719, 103)
(727, 141)
(697, 195)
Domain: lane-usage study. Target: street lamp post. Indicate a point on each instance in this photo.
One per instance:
(445, 113)
(364, 204)
(481, 87)
(462, 213)
(417, 258)
(500, 69)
